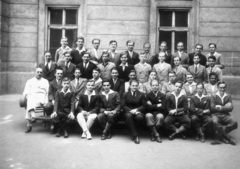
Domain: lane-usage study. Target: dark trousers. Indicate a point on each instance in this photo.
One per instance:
(220, 120)
(103, 118)
(204, 121)
(48, 108)
(131, 119)
(170, 120)
(62, 120)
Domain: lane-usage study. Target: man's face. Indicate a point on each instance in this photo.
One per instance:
(152, 75)
(80, 43)
(65, 85)
(124, 58)
(48, 56)
(64, 42)
(134, 86)
(180, 47)
(86, 58)
(198, 49)
(95, 74)
(147, 48)
(213, 79)
(142, 58)
(132, 75)
(163, 47)
(114, 74)
(211, 62)
(178, 88)
(212, 48)
(39, 73)
(161, 57)
(90, 86)
(199, 89)
(68, 57)
(172, 77)
(113, 46)
(77, 73)
(59, 74)
(106, 86)
(130, 46)
(222, 88)
(155, 86)
(176, 61)
(196, 59)
(189, 78)
(96, 44)
(105, 58)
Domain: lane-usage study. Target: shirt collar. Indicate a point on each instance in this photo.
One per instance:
(110, 92)
(180, 94)
(83, 49)
(68, 91)
(193, 84)
(125, 64)
(92, 94)
(203, 96)
(218, 94)
(66, 48)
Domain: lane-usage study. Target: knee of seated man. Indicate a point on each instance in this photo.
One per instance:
(148, 115)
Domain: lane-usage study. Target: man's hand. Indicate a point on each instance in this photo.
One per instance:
(53, 115)
(71, 116)
(106, 112)
(133, 111)
(159, 105)
(172, 112)
(137, 112)
(53, 101)
(149, 103)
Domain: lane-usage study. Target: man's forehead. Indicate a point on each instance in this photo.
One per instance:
(39, 69)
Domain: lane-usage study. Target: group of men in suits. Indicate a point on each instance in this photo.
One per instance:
(106, 85)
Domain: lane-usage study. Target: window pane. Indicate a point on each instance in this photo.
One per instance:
(71, 34)
(181, 37)
(181, 19)
(55, 37)
(167, 37)
(165, 18)
(71, 16)
(56, 16)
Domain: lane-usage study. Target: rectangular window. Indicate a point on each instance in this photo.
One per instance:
(173, 28)
(62, 22)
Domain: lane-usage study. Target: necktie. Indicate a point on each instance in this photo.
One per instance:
(66, 67)
(134, 95)
(195, 68)
(77, 84)
(211, 70)
(47, 67)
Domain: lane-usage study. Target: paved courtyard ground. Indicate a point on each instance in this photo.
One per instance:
(40, 150)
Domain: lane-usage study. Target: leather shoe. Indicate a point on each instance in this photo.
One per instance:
(202, 138)
(158, 139)
(153, 138)
(225, 141)
(232, 141)
(29, 129)
(58, 133)
(136, 140)
(183, 137)
(65, 134)
(109, 136)
(104, 136)
(52, 129)
(172, 136)
(197, 138)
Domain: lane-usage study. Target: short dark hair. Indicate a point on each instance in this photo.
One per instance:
(212, 44)
(171, 72)
(180, 82)
(130, 41)
(177, 57)
(154, 81)
(163, 42)
(221, 82)
(65, 79)
(199, 45)
(134, 80)
(97, 69)
(213, 74)
(146, 43)
(58, 68)
(96, 39)
(212, 57)
(106, 80)
(91, 80)
(189, 73)
(77, 69)
(200, 84)
(47, 51)
(86, 53)
(112, 41)
(132, 71)
(80, 37)
(114, 68)
(153, 71)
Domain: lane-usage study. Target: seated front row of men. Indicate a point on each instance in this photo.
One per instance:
(188, 107)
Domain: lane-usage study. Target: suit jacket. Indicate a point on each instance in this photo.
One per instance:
(48, 73)
(201, 75)
(162, 71)
(155, 100)
(218, 59)
(64, 103)
(92, 106)
(132, 60)
(68, 72)
(180, 73)
(216, 70)
(110, 104)
(208, 89)
(181, 106)
(95, 59)
(118, 86)
(168, 59)
(77, 56)
(184, 59)
(129, 102)
(86, 73)
(227, 105)
(198, 105)
(53, 88)
(115, 59)
(124, 74)
(203, 59)
(80, 88)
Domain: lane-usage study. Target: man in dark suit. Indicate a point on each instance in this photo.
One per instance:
(133, 57)
(133, 104)
(48, 67)
(68, 67)
(114, 56)
(198, 71)
(78, 53)
(124, 68)
(198, 51)
(156, 103)
(64, 108)
(88, 109)
(86, 67)
(117, 84)
(177, 105)
(109, 109)
(162, 48)
(184, 58)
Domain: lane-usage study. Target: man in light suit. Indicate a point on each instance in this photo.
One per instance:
(86, 67)
(78, 53)
(48, 67)
(198, 71)
(114, 56)
(95, 52)
(190, 86)
(179, 69)
(109, 109)
(68, 67)
(147, 52)
(162, 68)
(184, 58)
(211, 87)
(133, 57)
(212, 67)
